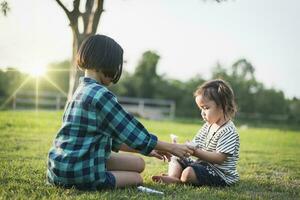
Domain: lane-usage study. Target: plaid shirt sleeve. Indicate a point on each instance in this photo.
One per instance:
(126, 129)
(116, 144)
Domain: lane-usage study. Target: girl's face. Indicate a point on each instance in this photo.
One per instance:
(210, 112)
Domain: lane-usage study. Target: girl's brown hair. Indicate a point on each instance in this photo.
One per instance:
(221, 93)
(102, 53)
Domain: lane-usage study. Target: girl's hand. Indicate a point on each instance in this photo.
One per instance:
(191, 145)
(181, 150)
(160, 155)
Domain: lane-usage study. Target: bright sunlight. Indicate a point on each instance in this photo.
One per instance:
(35, 71)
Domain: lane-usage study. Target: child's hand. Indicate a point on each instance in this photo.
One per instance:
(182, 150)
(160, 155)
(191, 145)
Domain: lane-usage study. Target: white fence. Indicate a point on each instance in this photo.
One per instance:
(44, 100)
(146, 108)
(149, 108)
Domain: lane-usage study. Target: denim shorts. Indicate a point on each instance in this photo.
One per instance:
(206, 176)
(109, 183)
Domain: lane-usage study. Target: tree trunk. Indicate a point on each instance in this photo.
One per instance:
(90, 20)
(75, 73)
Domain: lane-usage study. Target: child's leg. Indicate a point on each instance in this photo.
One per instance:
(174, 173)
(126, 178)
(125, 162)
(126, 169)
(189, 176)
(174, 168)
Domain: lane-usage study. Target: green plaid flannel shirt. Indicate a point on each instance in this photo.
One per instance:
(94, 124)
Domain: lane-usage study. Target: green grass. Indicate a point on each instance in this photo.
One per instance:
(269, 163)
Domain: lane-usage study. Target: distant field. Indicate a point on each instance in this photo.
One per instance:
(269, 163)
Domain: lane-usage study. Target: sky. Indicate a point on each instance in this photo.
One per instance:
(190, 36)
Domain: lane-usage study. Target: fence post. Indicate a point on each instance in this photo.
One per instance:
(57, 102)
(141, 108)
(14, 102)
(172, 110)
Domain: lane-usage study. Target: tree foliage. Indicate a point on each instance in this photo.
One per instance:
(253, 98)
(251, 95)
(86, 16)
(4, 7)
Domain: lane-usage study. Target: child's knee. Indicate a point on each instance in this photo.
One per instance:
(139, 180)
(136, 179)
(188, 175)
(140, 164)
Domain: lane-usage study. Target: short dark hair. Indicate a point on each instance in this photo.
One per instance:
(102, 53)
(221, 93)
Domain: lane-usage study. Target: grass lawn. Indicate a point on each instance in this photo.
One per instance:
(269, 163)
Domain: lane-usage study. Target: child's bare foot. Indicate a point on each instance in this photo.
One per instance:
(164, 178)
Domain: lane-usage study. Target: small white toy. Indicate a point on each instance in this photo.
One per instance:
(174, 138)
(149, 190)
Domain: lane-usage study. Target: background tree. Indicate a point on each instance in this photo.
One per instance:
(252, 97)
(145, 74)
(294, 110)
(242, 79)
(270, 102)
(88, 17)
(58, 72)
(4, 7)
(10, 79)
(186, 105)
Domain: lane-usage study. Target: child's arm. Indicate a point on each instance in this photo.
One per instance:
(179, 150)
(154, 153)
(163, 149)
(125, 147)
(128, 130)
(212, 157)
(226, 146)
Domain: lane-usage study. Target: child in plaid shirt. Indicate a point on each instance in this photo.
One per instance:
(94, 124)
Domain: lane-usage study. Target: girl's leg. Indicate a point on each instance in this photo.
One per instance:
(174, 169)
(189, 176)
(174, 173)
(127, 178)
(125, 162)
(126, 169)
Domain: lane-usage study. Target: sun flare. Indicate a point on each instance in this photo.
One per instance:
(35, 71)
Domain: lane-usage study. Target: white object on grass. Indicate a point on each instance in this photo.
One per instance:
(174, 138)
(149, 190)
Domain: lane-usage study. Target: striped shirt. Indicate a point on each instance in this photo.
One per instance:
(225, 140)
(93, 125)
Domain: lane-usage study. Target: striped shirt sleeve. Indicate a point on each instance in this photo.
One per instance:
(227, 142)
(126, 128)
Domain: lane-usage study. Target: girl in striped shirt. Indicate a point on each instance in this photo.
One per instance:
(216, 145)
